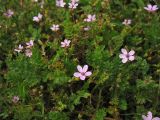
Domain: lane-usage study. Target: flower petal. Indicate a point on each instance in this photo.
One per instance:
(88, 73)
(65, 41)
(124, 51)
(144, 117)
(77, 74)
(122, 56)
(40, 16)
(156, 118)
(82, 77)
(131, 58)
(17, 50)
(68, 42)
(79, 68)
(124, 60)
(146, 8)
(149, 6)
(154, 8)
(85, 68)
(89, 16)
(63, 44)
(35, 19)
(132, 52)
(149, 115)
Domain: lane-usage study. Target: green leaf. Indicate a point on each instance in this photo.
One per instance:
(123, 104)
(58, 116)
(100, 114)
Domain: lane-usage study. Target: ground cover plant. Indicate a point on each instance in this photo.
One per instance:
(79, 60)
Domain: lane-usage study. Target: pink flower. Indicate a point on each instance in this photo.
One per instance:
(29, 44)
(28, 53)
(65, 43)
(127, 22)
(60, 3)
(127, 56)
(82, 72)
(73, 4)
(151, 8)
(9, 13)
(149, 117)
(55, 27)
(38, 18)
(15, 99)
(90, 18)
(19, 49)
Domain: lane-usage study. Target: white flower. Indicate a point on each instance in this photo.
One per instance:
(38, 18)
(127, 22)
(60, 3)
(127, 56)
(55, 27)
(19, 49)
(65, 43)
(29, 44)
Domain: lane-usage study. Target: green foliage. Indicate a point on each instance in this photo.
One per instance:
(75, 98)
(58, 116)
(45, 82)
(23, 113)
(100, 114)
